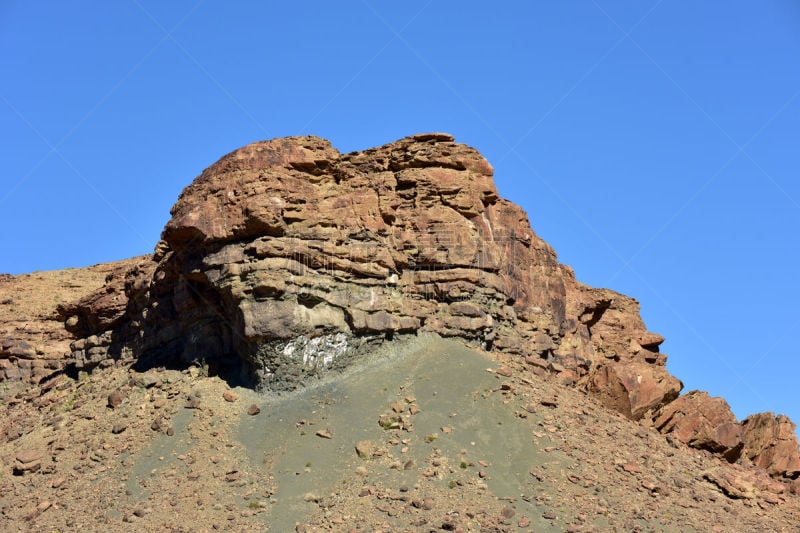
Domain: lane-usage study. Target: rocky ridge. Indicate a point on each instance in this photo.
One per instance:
(286, 259)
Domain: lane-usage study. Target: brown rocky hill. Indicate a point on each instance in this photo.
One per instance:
(287, 260)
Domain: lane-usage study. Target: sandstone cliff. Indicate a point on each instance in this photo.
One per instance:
(287, 258)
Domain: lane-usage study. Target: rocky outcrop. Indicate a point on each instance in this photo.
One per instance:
(287, 258)
(771, 443)
(634, 389)
(765, 440)
(702, 422)
(33, 341)
(605, 328)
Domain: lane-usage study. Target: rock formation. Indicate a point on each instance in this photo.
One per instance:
(286, 258)
(702, 422)
(770, 442)
(33, 341)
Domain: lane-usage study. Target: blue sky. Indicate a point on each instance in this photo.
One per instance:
(654, 144)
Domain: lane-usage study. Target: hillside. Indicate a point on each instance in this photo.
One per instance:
(358, 300)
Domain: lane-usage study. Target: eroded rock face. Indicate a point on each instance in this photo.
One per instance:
(33, 341)
(771, 443)
(634, 389)
(604, 328)
(286, 258)
(702, 422)
(289, 239)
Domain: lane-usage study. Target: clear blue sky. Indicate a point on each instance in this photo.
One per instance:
(654, 144)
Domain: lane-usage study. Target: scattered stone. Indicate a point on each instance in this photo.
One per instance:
(28, 461)
(549, 515)
(425, 504)
(145, 380)
(549, 402)
(631, 468)
(192, 402)
(115, 399)
(365, 449)
(324, 433)
(253, 410)
(508, 512)
(230, 396)
(504, 371)
(119, 427)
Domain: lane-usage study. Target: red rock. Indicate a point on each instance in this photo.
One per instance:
(771, 443)
(28, 461)
(253, 410)
(29, 455)
(365, 449)
(631, 468)
(633, 389)
(702, 422)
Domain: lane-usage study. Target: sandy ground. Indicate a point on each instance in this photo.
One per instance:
(426, 435)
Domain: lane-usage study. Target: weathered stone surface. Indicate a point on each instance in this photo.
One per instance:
(28, 461)
(286, 259)
(634, 389)
(33, 341)
(771, 443)
(288, 242)
(605, 325)
(739, 483)
(702, 422)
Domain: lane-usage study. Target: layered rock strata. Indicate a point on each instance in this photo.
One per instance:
(287, 258)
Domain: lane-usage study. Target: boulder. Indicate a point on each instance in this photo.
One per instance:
(702, 422)
(633, 389)
(771, 443)
(28, 461)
